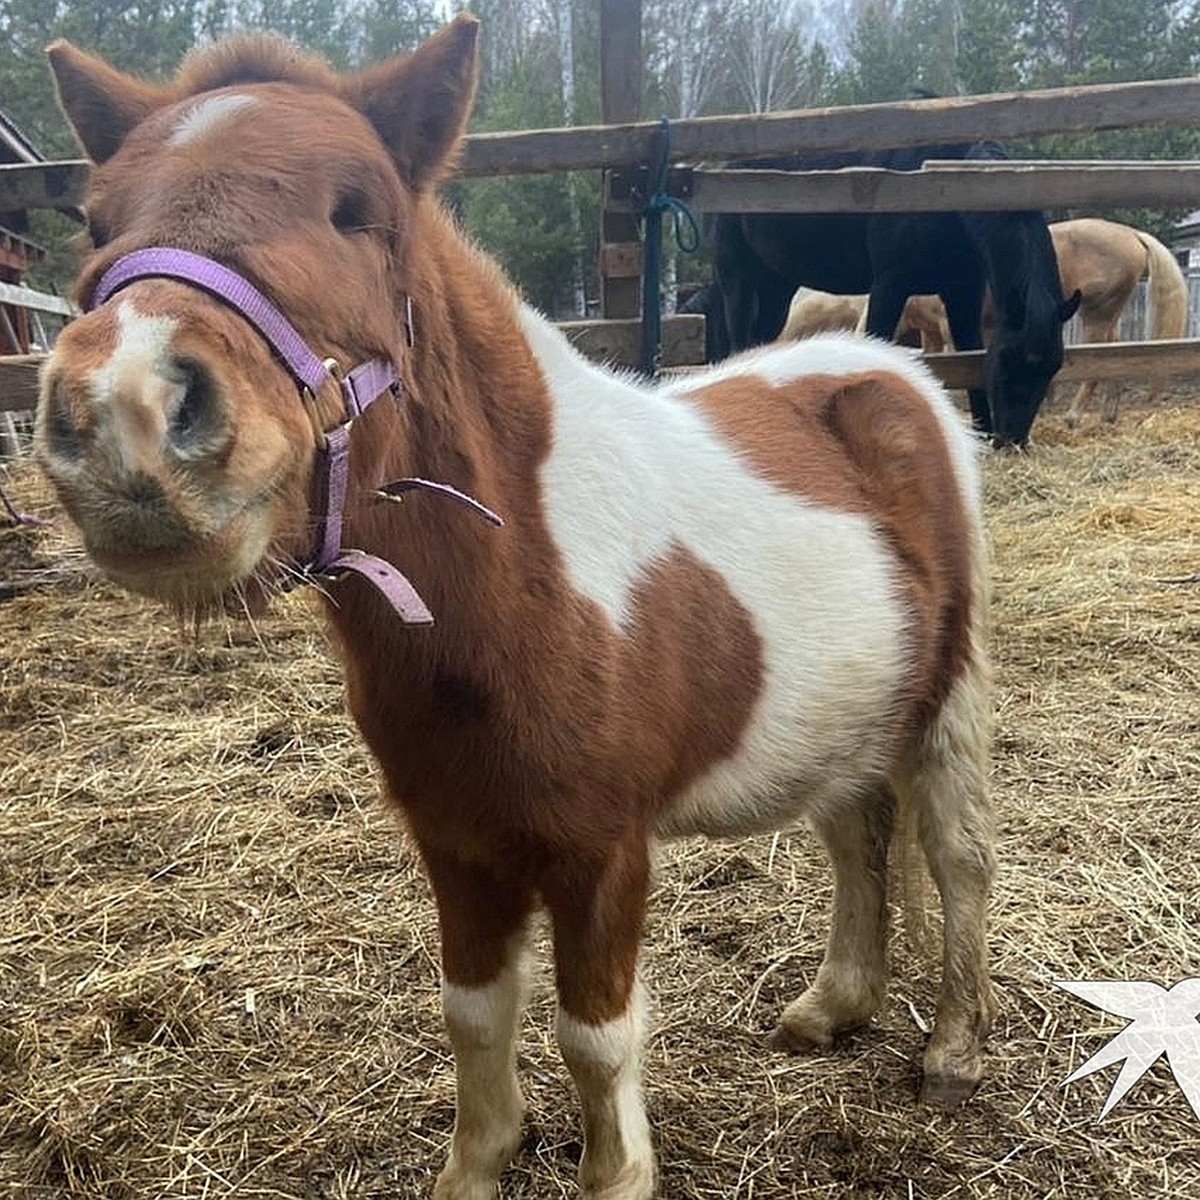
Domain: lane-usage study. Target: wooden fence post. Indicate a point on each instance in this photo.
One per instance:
(620, 103)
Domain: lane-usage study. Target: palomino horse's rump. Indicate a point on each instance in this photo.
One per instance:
(751, 596)
(1104, 260)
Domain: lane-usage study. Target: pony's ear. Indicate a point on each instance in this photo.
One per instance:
(101, 104)
(419, 104)
(1070, 306)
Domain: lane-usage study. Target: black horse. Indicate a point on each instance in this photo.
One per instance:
(761, 259)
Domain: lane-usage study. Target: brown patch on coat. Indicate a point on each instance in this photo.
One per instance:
(558, 738)
(871, 444)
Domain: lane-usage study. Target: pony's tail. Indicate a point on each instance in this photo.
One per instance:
(1168, 290)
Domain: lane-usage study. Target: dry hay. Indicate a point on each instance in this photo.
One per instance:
(218, 959)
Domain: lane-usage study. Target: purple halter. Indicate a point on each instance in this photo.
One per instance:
(360, 388)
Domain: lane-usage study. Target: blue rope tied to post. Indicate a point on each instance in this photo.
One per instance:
(687, 238)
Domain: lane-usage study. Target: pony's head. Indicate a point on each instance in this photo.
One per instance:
(1025, 354)
(175, 433)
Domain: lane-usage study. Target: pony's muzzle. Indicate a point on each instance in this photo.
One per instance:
(128, 417)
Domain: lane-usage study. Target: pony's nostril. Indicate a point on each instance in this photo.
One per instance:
(197, 421)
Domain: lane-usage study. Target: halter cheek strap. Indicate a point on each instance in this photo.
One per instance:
(360, 388)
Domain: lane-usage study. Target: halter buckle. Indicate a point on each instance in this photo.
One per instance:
(309, 400)
(314, 418)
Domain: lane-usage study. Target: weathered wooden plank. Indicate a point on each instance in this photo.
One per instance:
(620, 102)
(954, 119)
(23, 297)
(862, 127)
(58, 185)
(1113, 360)
(620, 60)
(1013, 185)
(620, 342)
(621, 260)
(19, 382)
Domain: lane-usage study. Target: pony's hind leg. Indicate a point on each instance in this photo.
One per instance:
(483, 925)
(851, 980)
(946, 784)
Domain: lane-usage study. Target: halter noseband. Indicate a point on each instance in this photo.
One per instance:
(360, 388)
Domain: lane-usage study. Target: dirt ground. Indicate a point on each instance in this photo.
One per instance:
(218, 958)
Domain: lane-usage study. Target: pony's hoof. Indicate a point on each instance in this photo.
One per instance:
(800, 1035)
(783, 1039)
(947, 1092)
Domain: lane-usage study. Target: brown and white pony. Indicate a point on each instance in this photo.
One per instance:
(715, 607)
(1104, 261)
(812, 311)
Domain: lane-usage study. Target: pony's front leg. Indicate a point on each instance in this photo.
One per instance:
(483, 924)
(598, 909)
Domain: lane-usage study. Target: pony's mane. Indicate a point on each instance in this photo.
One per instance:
(252, 58)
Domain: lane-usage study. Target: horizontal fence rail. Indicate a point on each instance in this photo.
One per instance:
(948, 120)
(991, 186)
(937, 187)
(953, 119)
(1112, 360)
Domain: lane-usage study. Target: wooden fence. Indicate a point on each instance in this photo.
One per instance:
(623, 150)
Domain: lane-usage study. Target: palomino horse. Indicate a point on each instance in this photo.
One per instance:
(922, 322)
(713, 607)
(1104, 261)
(761, 258)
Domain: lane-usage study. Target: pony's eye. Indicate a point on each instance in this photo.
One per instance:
(350, 214)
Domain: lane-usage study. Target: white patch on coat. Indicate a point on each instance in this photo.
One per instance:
(634, 473)
(484, 1016)
(201, 119)
(482, 1022)
(605, 1062)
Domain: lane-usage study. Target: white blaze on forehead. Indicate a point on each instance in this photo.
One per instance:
(201, 119)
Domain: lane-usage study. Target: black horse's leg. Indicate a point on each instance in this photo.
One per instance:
(738, 273)
(964, 314)
(774, 299)
(884, 308)
(741, 311)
